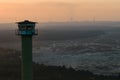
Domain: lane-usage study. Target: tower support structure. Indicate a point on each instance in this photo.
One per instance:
(26, 57)
(26, 29)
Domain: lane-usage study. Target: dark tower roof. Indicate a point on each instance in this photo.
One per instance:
(26, 22)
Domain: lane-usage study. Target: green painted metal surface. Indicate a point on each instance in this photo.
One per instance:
(26, 57)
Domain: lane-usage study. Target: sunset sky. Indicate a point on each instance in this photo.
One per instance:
(59, 10)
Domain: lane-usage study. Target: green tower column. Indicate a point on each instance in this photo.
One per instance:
(26, 29)
(26, 57)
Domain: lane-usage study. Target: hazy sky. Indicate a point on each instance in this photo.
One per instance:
(59, 10)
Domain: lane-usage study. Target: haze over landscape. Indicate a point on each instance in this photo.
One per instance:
(81, 34)
(81, 45)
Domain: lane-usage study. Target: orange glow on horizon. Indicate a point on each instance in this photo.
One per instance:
(60, 11)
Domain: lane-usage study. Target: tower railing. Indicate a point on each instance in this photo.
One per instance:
(26, 32)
